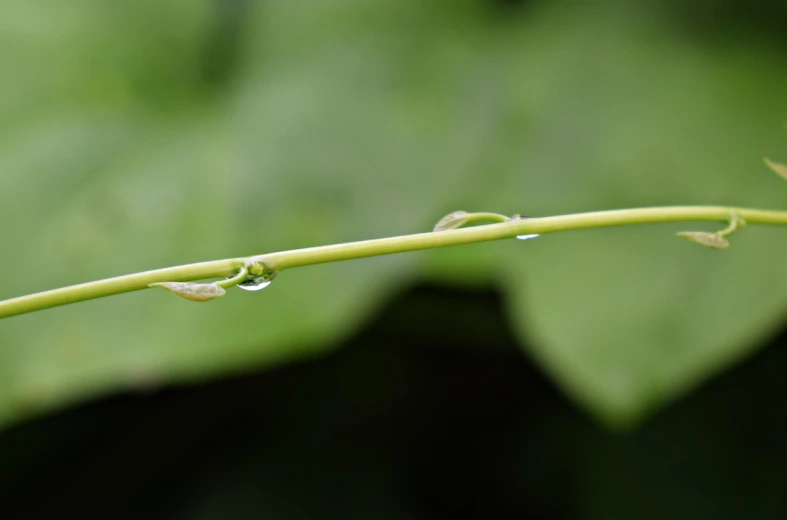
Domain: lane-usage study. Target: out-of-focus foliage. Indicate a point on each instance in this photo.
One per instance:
(408, 420)
(142, 134)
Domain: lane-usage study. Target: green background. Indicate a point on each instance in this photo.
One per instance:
(136, 135)
(146, 134)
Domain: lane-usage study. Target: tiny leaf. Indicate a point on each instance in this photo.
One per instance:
(780, 169)
(452, 221)
(196, 292)
(713, 240)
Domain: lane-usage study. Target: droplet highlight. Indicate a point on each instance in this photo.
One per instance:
(523, 237)
(257, 283)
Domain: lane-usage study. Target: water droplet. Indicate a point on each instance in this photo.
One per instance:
(523, 237)
(257, 283)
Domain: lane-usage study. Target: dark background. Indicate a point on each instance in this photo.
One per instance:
(430, 412)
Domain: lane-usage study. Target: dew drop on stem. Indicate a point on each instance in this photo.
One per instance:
(257, 283)
(523, 237)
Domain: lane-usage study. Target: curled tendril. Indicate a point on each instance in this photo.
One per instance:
(453, 220)
(196, 292)
(239, 278)
(203, 292)
(458, 219)
(716, 240)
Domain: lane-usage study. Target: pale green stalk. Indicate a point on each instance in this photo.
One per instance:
(384, 246)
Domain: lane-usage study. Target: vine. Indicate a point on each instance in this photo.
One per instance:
(257, 272)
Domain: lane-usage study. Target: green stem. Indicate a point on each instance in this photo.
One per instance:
(118, 285)
(384, 246)
(734, 223)
(495, 217)
(243, 273)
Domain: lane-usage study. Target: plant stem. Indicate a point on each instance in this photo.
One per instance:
(384, 246)
(118, 285)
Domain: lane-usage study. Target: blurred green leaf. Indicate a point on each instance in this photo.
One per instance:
(628, 319)
(342, 121)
